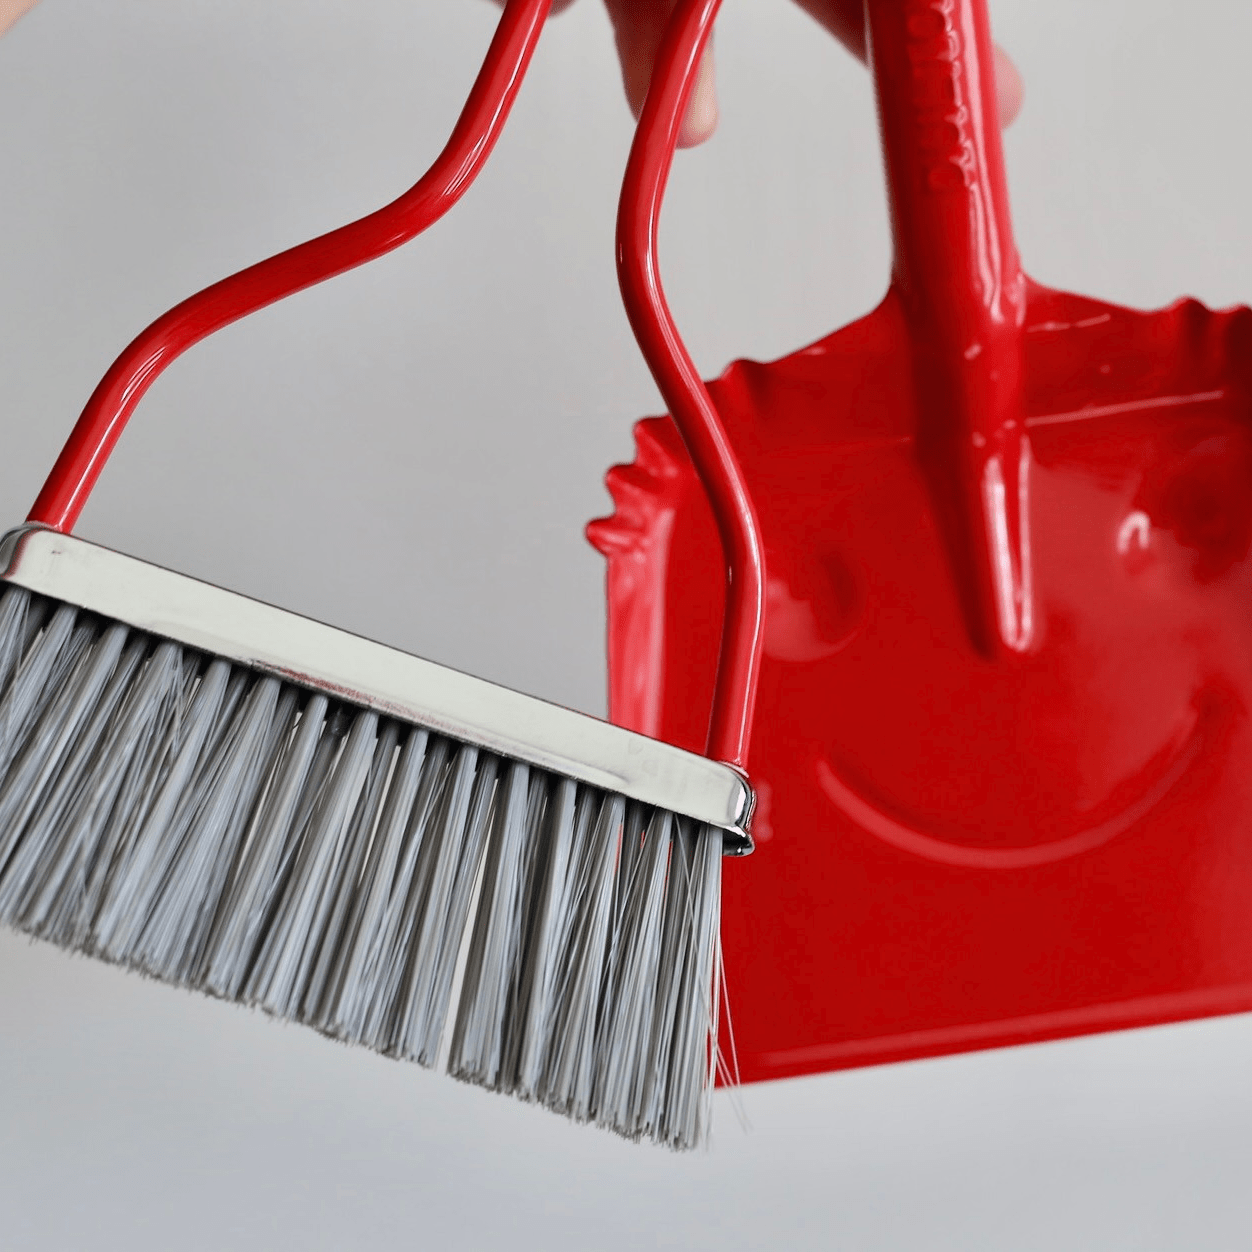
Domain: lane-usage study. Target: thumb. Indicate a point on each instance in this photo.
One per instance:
(638, 27)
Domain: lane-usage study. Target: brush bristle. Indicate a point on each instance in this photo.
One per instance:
(223, 830)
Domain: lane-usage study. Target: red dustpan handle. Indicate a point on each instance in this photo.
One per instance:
(690, 404)
(130, 376)
(963, 294)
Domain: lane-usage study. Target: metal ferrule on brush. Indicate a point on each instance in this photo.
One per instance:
(359, 672)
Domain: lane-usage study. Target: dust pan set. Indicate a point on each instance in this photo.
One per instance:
(964, 586)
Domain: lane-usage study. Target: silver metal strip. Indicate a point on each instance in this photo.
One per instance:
(360, 672)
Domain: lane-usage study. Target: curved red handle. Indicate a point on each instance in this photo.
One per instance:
(643, 190)
(130, 376)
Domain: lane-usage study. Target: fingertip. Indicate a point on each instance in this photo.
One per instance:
(11, 10)
(702, 111)
(639, 26)
(1009, 88)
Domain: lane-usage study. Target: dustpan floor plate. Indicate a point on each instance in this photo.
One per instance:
(955, 852)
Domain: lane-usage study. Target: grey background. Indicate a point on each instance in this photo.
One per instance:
(411, 452)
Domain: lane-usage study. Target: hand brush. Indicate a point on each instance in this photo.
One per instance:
(1002, 740)
(234, 799)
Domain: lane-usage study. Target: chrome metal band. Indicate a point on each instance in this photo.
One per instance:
(395, 683)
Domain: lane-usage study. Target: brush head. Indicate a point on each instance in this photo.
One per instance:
(248, 825)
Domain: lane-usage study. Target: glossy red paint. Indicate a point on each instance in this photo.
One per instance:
(108, 410)
(693, 410)
(1001, 744)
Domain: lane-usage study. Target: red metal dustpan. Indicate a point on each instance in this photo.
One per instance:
(1001, 746)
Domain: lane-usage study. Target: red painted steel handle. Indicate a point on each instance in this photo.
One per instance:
(955, 264)
(957, 273)
(130, 376)
(643, 190)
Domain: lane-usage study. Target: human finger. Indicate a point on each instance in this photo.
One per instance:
(845, 19)
(638, 27)
(11, 10)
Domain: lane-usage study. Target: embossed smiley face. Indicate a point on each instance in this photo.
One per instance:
(874, 709)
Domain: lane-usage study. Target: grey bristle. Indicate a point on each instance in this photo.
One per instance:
(547, 907)
(346, 998)
(391, 930)
(48, 872)
(631, 986)
(35, 675)
(336, 935)
(231, 833)
(569, 1067)
(287, 950)
(477, 1040)
(209, 833)
(451, 857)
(246, 903)
(140, 863)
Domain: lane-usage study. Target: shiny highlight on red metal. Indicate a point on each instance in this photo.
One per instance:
(692, 408)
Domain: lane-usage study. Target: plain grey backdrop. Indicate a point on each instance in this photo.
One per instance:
(411, 452)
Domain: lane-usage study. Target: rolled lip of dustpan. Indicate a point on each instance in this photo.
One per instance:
(394, 683)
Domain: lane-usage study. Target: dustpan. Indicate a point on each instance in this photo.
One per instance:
(1001, 743)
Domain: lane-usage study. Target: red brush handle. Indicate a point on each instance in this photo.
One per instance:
(957, 273)
(643, 190)
(130, 376)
